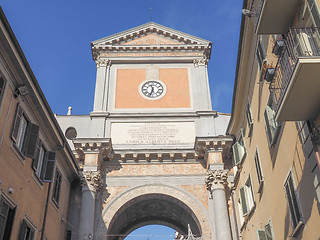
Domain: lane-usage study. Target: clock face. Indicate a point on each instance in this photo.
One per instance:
(152, 89)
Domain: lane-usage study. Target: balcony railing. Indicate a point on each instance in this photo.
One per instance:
(300, 44)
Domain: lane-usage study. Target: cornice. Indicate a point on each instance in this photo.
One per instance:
(149, 28)
(182, 42)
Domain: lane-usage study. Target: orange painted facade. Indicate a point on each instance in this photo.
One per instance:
(175, 79)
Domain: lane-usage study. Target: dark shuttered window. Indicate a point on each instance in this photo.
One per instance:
(7, 213)
(57, 187)
(26, 231)
(25, 134)
(49, 166)
(292, 201)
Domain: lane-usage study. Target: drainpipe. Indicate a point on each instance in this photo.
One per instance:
(45, 213)
(314, 134)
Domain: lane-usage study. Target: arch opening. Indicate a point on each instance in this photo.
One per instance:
(153, 209)
(152, 232)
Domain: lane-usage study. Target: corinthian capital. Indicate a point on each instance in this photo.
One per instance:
(102, 62)
(92, 179)
(216, 178)
(200, 62)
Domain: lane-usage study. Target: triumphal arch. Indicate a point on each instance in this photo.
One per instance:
(152, 151)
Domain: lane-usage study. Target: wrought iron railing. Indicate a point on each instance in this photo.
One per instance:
(256, 8)
(299, 43)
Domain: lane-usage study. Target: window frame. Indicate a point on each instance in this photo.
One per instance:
(262, 234)
(247, 197)
(38, 161)
(239, 147)
(271, 126)
(297, 224)
(12, 211)
(56, 190)
(26, 225)
(259, 171)
(2, 88)
(261, 55)
(249, 115)
(25, 134)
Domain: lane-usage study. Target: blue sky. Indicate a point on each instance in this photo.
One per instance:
(55, 37)
(152, 232)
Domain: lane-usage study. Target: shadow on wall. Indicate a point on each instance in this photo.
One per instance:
(275, 148)
(305, 193)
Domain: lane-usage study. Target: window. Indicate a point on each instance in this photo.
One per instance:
(2, 86)
(26, 231)
(249, 115)
(258, 169)
(7, 213)
(293, 203)
(43, 163)
(56, 187)
(260, 53)
(272, 127)
(246, 197)
(239, 150)
(266, 233)
(25, 134)
(38, 161)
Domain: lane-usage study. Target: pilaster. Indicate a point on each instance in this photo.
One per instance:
(102, 83)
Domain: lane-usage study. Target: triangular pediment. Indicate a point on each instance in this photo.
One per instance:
(150, 34)
(151, 39)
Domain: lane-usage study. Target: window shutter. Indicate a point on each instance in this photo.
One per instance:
(31, 140)
(249, 197)
(260, 52)
(292, 201)
(49, 166)
(261, 234)
(4, 209)
(1, 87)
(243, 201)
(16, 123)
(57, 187)
(258, 167)
(35, 160)
(23, 230)
(249, 115)
(268, 231)
(271, 125)
(238, 153)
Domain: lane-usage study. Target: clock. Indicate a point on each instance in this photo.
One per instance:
(152, 89)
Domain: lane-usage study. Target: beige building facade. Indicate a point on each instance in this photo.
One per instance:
(37, 166)
(153, 151)
(275, 121)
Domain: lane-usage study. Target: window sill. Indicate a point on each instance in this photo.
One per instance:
(37, 180)
(55, 204)
(18, 153)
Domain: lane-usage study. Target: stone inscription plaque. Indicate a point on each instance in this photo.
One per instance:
(153, 133)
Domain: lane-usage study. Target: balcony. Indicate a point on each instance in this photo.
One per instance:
(296, 84)
(273, 16)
